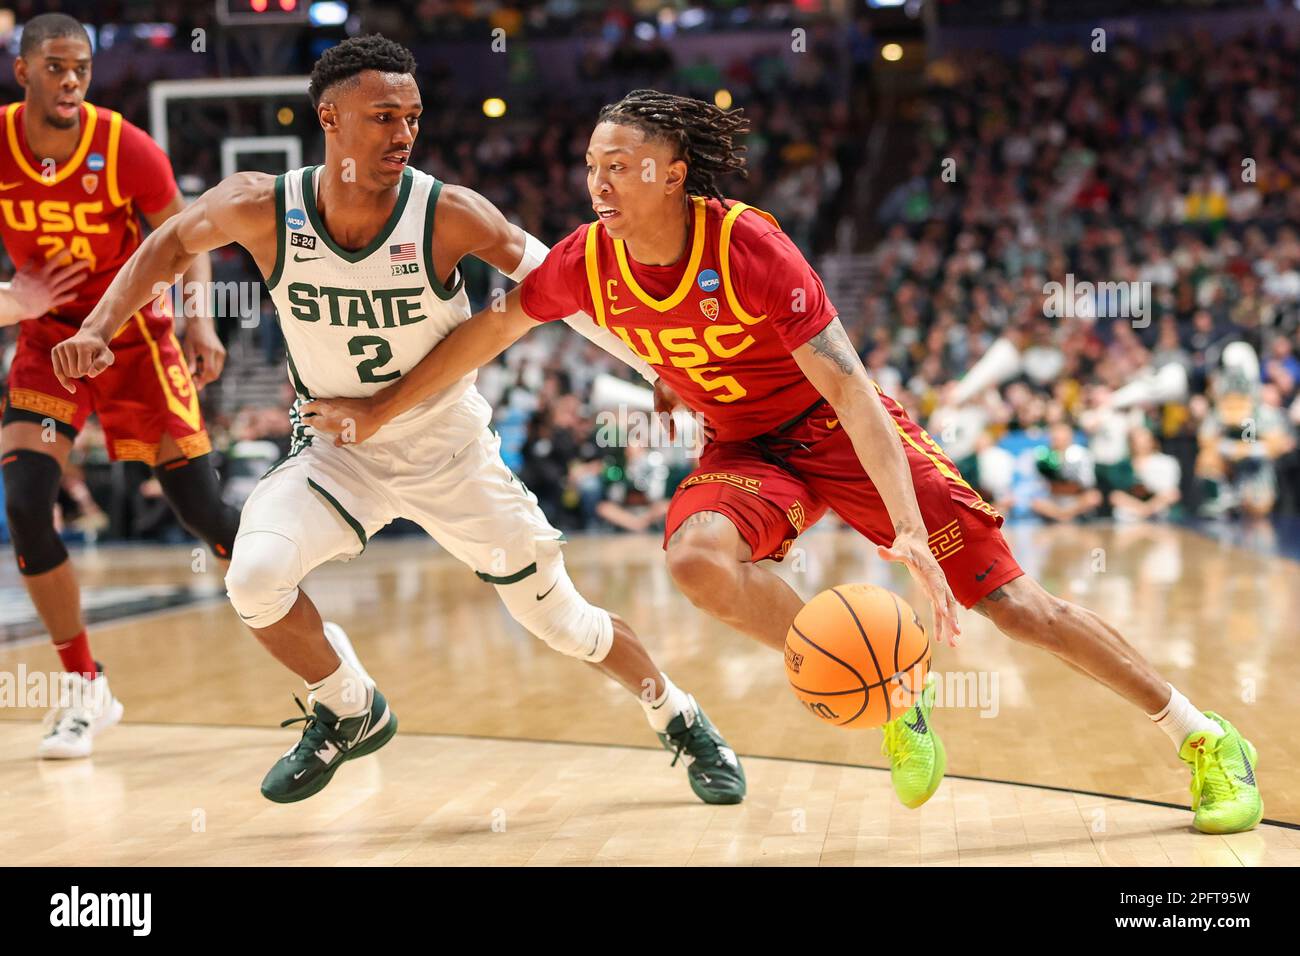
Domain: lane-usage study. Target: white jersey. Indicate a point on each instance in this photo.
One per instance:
(354, 322)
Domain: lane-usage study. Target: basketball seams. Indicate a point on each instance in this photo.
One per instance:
(898, 628)
(866, 691)
(889, 710)
(923, 656)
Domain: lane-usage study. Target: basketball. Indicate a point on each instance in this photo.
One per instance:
(857, 656)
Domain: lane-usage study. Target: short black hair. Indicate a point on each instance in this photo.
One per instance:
(699, 132)
(355, 55)
(49, 26)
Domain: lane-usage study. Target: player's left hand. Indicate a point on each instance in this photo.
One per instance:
(914, 551)
(350, 420)
(204, 352)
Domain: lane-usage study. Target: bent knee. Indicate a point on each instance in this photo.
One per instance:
(702, 571)
(262, 580)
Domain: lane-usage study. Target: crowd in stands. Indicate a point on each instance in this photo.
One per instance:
(1174, 173)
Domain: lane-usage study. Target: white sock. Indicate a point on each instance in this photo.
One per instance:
(1179, 718)
(670, 703)
(345, 692)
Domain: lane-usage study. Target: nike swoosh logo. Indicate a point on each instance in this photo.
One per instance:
(541, 597)
(612, 310)
(299, 774)
(832, 422)
(1250, 771)
(298, 258)
(981, 577)
(4, 186)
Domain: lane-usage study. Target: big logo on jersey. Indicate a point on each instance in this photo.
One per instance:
(52, 217)
(692, 350)
(373, 308)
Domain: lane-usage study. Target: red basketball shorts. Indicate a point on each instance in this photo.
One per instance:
(144, 394)
(774, 489)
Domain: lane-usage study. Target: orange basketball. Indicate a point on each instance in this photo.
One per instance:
(857, 656)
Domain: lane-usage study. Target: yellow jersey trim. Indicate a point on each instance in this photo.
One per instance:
(688, 277)
(593, 274)
(724, 257)
(110, 170)
(87, 134)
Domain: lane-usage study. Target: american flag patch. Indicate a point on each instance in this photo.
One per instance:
(402, 253)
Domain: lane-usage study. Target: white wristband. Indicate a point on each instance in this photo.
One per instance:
(534, 252)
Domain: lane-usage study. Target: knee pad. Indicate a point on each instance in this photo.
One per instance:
(31, 488)
(262, 580)
(191, 487)
(549, 607)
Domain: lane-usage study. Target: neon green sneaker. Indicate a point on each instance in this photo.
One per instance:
(916, 755)
(1225, 794)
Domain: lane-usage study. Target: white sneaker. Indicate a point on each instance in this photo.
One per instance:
(87, 708)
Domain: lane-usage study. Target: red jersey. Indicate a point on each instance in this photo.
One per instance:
(87, 206)
(718, 325)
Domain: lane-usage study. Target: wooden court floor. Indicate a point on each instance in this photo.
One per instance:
(510, 754)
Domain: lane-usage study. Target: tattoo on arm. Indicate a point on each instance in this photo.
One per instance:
(832, 343)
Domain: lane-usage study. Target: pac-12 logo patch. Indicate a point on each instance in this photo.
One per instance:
(302, 240)
(95, 162)
(708, 280)
(295, 219)
(709, 307)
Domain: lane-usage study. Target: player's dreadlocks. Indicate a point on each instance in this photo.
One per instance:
(354, 55)
(700, 133)
(49, 26)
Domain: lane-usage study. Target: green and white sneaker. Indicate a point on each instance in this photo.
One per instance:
(917, 759)
(712, 767)
(327, 742)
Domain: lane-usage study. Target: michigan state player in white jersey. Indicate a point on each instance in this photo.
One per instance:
(361, 256)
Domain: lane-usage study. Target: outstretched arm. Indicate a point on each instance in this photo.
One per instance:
(239, 209)
(467, 224)
(202, 346)
(470, 346)
(470, 221)
(831, 363)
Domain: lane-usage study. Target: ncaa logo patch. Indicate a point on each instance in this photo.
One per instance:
(295, 219)
(95, 162)
(708, 280)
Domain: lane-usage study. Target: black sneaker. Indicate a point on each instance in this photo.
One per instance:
(712, 767)
(327, 742)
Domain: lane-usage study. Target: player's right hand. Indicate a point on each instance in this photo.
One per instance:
(666, 402)
(85, 354)
(40, 289)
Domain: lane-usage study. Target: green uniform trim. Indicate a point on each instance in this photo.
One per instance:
(309, 200)
(279, 232)
(435, 281)
(355, 524)
(510, 578)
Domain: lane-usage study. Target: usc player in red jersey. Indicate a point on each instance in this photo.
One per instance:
(723, 305)
(74, 181)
